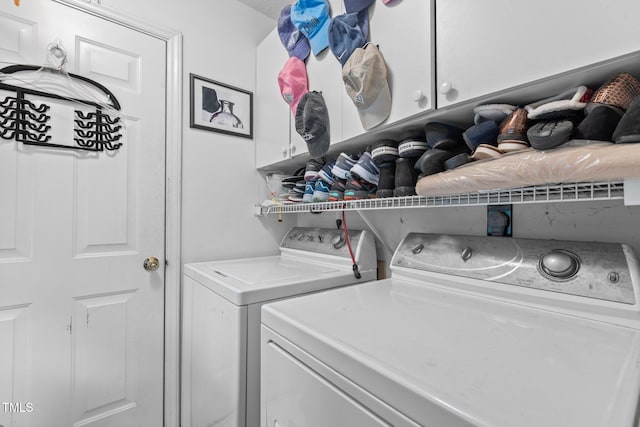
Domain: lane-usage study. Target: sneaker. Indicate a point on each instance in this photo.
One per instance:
(325, 172)
(321, 191)
(309, 188)
(295, 198)
(405, 178)
(366, 169)
(336, 193)
(343, 165)
(299, 187)
(357, 188)
(386, 184)
(311, 170)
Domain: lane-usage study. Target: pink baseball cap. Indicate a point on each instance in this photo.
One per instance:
(293, 82)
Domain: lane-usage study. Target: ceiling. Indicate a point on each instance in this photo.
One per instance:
(271, 8)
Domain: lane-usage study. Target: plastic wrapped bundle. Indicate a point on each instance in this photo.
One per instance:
(574, 161)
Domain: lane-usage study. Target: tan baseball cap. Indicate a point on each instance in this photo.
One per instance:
(365, 79)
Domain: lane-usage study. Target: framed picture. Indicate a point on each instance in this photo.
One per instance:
(219, 107)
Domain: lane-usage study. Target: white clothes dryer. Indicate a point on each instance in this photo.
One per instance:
(468, 331)
(221, 316)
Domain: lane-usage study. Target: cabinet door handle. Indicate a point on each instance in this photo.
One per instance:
(293, 149)
(445, 88)
(418, 96)
(284, 151)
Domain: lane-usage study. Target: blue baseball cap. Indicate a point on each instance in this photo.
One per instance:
(292, 39)
(347, 33)
(312, 18)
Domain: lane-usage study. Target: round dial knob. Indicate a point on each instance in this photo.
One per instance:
(338, 241)
(559, 265)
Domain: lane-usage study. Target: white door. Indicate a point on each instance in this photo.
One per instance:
(81, 320)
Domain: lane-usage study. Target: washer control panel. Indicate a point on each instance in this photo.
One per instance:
(321, 240)
(594, 270)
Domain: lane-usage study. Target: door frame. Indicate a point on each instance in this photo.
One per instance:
(173, 194)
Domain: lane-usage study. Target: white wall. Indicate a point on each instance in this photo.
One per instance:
(220, 183)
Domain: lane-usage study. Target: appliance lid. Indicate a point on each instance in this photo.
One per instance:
(250, 280)
(432, 352)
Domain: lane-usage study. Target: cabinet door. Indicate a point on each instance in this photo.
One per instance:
(272, 113)
(404, 34)
(486, 46)
(325, 75)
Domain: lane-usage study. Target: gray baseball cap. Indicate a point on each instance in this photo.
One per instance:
(312, 123)
(365, 79)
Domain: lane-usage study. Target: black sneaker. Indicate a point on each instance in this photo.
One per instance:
(357, 188)
(406, 177)
(336, 193)
(386, 184)
(311, 170)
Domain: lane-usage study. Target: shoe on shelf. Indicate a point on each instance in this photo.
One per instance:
(405, 177)
(357, 188)
(325, 173)
(366, 169)
(386, 183)
(343, 165)
(309, 189)
(321, 191)
(336, 192)
(385, 150)
(311, 170)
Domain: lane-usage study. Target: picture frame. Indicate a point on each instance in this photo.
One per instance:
(219, 107)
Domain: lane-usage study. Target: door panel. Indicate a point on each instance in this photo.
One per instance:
(84, 318)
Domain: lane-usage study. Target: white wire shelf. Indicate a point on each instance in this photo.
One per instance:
(567, 192)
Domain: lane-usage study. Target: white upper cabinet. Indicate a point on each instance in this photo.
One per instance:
(272, 113)
(491, 45)
(403, 31)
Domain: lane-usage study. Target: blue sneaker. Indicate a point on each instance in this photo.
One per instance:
(343, 165)
(325, 172)
(321, 192)
(366, 169)
(309, 188)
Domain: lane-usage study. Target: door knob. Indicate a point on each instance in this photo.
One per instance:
(151, 264)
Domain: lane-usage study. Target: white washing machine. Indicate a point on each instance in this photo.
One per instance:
(468, 331)
(221, 316)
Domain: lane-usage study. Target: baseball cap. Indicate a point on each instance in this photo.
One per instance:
(347, 33)
(292, 39)
(312, 123)
(293, 82)
(365, 79)
(352, 6)
(312, 18)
